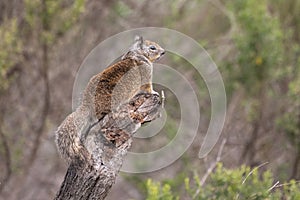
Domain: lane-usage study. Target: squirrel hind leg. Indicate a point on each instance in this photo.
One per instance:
(147, 88)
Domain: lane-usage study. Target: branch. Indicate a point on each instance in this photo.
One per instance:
(108, 142)
(250, 173)
(254, 169)
(46, 99)
(214, 164)
(211, 168)
(7, 160)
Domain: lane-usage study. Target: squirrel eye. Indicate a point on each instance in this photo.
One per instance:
(153, 48)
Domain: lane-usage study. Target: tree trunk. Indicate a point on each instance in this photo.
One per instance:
(108, 142)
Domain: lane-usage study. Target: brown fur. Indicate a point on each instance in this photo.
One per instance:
(104, 92)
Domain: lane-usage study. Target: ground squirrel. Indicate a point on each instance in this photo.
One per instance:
(105, 91)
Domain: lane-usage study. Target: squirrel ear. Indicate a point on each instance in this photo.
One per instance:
(138, 40)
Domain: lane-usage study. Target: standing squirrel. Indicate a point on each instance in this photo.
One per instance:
(105, 91)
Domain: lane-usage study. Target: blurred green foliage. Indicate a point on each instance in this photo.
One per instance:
(267, 52)
(259, 42)
(288, 11)
(53, 18)
(10, 50)
(28, 34)
(122, 9)
(241, 183)
(290, 120)
(157, 192)
(47, 19)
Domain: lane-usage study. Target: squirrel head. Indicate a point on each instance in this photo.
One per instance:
(151, 50)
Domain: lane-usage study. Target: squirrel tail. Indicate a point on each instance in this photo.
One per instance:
(68, 139)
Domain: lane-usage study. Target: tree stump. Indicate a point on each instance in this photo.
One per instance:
(108, 142)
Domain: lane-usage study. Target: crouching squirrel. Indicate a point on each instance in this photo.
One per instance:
(105, 91)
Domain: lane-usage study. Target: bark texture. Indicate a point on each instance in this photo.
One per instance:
(108, 142)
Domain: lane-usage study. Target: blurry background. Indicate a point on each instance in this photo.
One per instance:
(255, 45)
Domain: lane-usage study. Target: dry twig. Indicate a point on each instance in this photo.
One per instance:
(211, 168)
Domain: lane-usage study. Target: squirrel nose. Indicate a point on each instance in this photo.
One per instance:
(162, 53)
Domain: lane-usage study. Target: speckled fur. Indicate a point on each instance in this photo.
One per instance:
(104, 92)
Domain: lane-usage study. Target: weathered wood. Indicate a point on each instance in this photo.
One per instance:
(108, 142)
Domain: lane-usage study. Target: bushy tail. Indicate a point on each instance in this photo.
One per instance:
(68, 138)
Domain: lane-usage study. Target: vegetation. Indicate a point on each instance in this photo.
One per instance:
(10, 54)
(259, 41)
(241, 183)
(255, 44)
